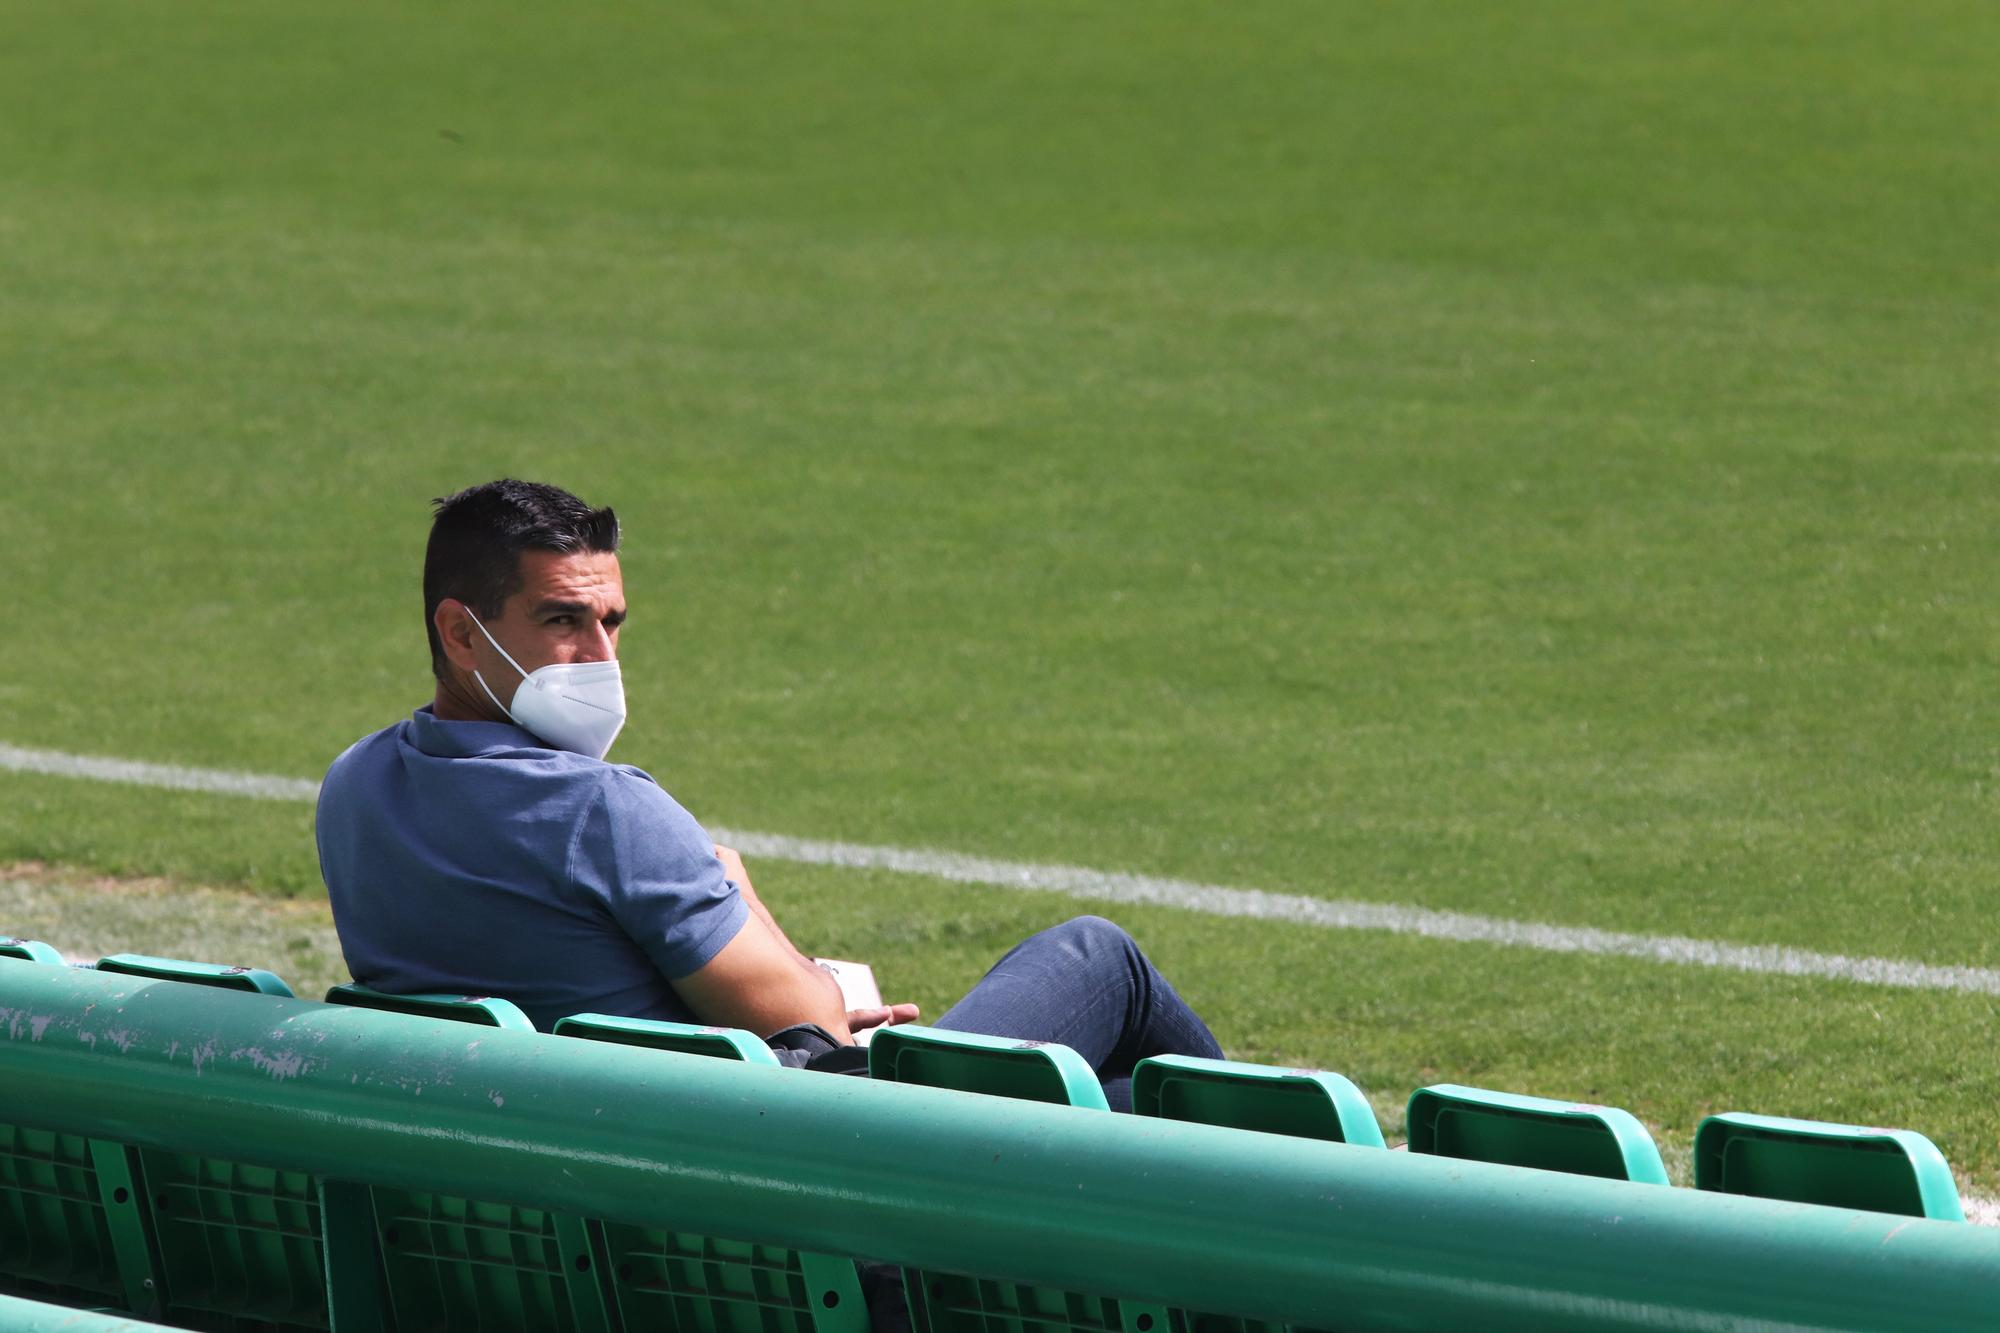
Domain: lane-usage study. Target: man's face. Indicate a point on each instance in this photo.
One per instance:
(568, 609)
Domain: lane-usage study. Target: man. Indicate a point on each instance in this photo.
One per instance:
(484, 846)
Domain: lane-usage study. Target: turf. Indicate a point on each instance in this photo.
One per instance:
(1534, 460)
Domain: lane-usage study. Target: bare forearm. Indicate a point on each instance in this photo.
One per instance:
(732, 866)
(817, 978)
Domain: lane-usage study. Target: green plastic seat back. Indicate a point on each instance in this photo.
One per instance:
(1811, 1161)
(55, 1229)
(71, 1228)
(1303, 1103)
(998, 1066)
(660, 1035)
(485, 1010)
(451, 1262)
(219, 975)
(664, 1279)
(239, 1244)
(1448, 1120)
(1025, 1071)
(233, 1241)
(681, 1279)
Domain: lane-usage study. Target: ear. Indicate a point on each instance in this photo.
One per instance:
(456, 632)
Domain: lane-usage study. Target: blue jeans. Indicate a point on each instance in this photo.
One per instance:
(1085, 984)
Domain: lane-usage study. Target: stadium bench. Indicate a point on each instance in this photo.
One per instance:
(1303, 1103)
(29, 951)
(1142, 1212)
(1810, 1161)
(1447, 1120)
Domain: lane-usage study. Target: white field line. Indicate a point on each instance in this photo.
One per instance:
(157, 775)
(1188, 895)
(1341, 914)
(1150, 890)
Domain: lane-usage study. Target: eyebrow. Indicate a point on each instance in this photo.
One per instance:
(560, 608)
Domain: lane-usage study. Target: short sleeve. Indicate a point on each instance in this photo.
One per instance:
(655, 871)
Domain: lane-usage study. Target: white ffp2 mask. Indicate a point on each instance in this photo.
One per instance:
(577, 706)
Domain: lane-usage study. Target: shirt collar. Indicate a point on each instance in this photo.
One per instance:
(466, 740)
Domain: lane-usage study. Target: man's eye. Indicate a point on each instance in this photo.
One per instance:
(562, 620)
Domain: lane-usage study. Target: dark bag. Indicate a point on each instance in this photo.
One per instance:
(810, 1046)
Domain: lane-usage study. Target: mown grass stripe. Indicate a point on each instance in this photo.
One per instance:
(1119, 886)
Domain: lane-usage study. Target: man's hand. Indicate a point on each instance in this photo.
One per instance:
(881, 1016)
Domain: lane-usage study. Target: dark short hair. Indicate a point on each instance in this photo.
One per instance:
(474, 554)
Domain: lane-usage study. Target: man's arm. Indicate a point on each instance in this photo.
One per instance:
(760, 981)
(739, 875)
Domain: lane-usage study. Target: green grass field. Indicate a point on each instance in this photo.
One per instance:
(1534, 460)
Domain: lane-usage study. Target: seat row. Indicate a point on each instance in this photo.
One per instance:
(1806, 1161)
(204, 1241)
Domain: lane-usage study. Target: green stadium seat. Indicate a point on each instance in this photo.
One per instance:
(1027, 1071)
(239, 1244)
(219, 975)
(1301, 1103)
(1447, 1120)
(485, 1010)
(451, 1262)
(661, 1035)
(659, 1277)
(1304, 1103)
(1811, 1161)
(998, 1066)
(71, 1225)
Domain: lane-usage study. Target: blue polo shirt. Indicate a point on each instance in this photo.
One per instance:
(468, 857)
